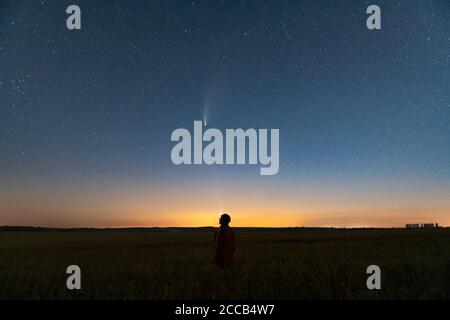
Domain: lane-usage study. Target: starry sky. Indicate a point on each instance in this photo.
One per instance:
(86, 115)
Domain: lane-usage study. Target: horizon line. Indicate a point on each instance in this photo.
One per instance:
(205, 227)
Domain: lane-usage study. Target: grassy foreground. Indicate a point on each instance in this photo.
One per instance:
(302, 264)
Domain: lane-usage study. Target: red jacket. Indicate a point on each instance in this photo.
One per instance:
(224, 246)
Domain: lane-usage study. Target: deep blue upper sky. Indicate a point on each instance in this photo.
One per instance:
(100, 103)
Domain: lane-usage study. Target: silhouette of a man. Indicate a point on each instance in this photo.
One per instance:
(224, 245)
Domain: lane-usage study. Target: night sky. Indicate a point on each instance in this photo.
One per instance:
(86, 115)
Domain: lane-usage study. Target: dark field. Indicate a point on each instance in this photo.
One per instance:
(303, 264)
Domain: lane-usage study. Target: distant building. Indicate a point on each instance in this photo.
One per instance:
(422, 225)
(430, 225)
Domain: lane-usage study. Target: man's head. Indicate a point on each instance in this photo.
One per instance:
(224, 219)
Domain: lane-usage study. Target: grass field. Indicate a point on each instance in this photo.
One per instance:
(305, 264)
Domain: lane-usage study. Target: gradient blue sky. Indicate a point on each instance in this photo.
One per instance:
(86, 116)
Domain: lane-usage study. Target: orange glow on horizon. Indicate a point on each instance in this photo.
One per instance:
(188, 206)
